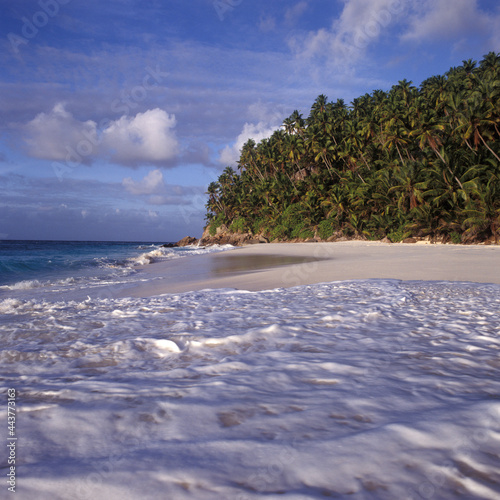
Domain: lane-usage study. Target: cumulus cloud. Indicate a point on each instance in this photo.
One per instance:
(50, 136)
(264, 119)
(231, 154)
(153, 183)
(361, 23)
(146, 138)
(448, 19)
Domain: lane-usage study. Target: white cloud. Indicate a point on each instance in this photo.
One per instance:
(146, 138)
(50, 136)
(449, 19)
(266, 119)
(361, 23)
(153, 187)
(261, 112)
(152, 183)
(231, 154)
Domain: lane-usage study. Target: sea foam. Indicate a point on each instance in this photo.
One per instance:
(361, 389)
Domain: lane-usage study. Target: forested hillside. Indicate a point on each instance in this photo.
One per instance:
(411, 161)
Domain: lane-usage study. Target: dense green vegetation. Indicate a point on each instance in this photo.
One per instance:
(408, 162)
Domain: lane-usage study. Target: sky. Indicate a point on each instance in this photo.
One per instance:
(116, 115)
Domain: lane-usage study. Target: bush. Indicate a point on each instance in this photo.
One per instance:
(259, 226)
(297, 230)
(292, 216)
(238, 225)
(325, 229)
(215, 223)
(398, 235)
(279, 232)
(306, 234)
(372, 235)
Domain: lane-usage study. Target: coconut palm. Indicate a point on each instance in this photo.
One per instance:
(408, 161)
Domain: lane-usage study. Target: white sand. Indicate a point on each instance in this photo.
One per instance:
(269, 266)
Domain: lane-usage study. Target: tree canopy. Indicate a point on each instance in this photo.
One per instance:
(411, 161)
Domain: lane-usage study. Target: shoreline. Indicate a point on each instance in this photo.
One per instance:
(285, 265)
(224, 236)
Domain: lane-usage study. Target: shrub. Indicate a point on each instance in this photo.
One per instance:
(325, 229)
(238, 225)
(297, 230)
(398, 235)
(306, 234)
(215, 223)
(259, 226)
(279, 232)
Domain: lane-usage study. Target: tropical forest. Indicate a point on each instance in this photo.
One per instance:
(410, 162)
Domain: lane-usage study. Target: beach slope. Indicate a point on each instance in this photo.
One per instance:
(284, 265)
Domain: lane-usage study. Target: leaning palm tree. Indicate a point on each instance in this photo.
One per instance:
(475, 126)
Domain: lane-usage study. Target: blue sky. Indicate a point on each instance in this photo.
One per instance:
(117, 114)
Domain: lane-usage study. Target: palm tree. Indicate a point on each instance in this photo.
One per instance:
(483, 211)
(248, 160)
(407, 161)
(474, 125)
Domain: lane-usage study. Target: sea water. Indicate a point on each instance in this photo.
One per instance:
(35, 264)
(369, 389)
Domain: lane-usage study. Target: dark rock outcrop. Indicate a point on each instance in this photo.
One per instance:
(187, 240)
(224, 236)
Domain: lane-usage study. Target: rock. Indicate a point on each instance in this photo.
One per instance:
(336, 236)
(256, 241)
(386, 240)
(239, 239)
(187, 240)
(409, 240)
(224, 236)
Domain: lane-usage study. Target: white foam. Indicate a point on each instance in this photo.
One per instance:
(333, 390)
(167, 253)
(26, 285)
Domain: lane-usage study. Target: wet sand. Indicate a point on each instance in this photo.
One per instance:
(283, 265)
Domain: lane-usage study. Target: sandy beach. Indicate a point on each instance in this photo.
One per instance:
(376, 379)
(284, 265)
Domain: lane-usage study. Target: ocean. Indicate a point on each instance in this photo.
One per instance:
(362, 389)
